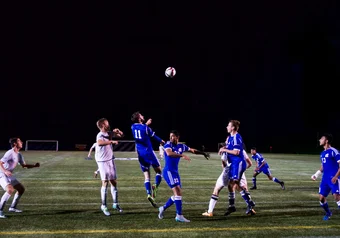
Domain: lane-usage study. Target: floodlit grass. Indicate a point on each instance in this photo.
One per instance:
(63, 199)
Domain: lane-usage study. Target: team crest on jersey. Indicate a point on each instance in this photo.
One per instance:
(326, 155)
(179, 149)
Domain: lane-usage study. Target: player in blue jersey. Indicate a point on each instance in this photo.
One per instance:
(262, 167)
(173, 153)
(330, 160)
(146, 156)
(238, 165)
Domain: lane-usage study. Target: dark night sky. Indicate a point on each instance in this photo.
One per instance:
(270, 65)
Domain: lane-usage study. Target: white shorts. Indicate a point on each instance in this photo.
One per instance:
(6, 180)
(107, 170)
(223, 180)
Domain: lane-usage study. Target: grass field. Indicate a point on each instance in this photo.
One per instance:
(63, 199)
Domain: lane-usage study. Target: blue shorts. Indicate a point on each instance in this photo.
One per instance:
(148, 159)
(237, 169)
(172, 178)
(326, 186)
(265, 170)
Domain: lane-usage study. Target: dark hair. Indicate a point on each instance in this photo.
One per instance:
(253, 148)
(176, 133)
(135, 117)
(328, 137)
(13, 141)
(236, 124)
(100, 122)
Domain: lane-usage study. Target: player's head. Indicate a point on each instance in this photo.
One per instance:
(15, 142)
(326, 139)
(174, 136)
(137, 117)
(233, 126)
(103, 124)
(253, 150)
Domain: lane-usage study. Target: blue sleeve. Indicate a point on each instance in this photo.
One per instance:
(167, 146)
(337, 158)
(152, 134)
(185, 147)
(238, 144)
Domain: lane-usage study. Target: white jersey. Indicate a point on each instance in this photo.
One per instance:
(245, 155)
(11, 159)
(104, 152)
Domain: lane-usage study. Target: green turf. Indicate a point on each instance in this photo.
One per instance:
(62, 199)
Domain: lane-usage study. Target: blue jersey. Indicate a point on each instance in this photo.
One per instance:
(259, 160)
(235, 142)
(330, 160)
(171, 163)
(142, 134)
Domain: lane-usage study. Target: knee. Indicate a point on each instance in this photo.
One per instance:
(10, 190)
(322, 199)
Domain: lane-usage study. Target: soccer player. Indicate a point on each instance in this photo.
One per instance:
(173, 152)
(105, 160)
(238, 165)
(146, 156)
(330, 160)
(223, 181)
(95, 174)
(7, 180)
(262, 166)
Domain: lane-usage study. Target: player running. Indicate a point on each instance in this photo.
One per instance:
(173, 153)
(262, 167)
(330, 160)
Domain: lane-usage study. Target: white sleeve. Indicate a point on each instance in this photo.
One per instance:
(245, 155)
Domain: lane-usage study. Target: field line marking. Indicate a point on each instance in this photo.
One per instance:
(166, 230)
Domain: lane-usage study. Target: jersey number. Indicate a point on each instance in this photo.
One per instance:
(324, 160)
(137, 134)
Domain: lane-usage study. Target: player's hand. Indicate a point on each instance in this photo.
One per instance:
(8, 173)
(37, 165)
(313, 177)
(186, 157)
(114, 142)
(221, 151)
(334, 179)
(162, 142)
(148, 122)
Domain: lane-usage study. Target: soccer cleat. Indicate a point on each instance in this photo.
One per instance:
(283, 185)
(250, 211)
(327, 216)
(2, 215)
(105, 210)
(12, 209)
(230, 210)
(154, 191)
(152, 201)
(207, 214)
(253, 188)
(117, 207)
(161, 212)
(181, 218)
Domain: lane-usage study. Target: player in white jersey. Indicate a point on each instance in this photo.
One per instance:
(106, 165)
(223, 181)
(95, 173)
(7, 180)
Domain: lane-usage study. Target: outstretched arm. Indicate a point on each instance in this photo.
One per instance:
(198, 152)
(30, 166)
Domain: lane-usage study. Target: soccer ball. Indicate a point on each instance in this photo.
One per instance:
(170, 72)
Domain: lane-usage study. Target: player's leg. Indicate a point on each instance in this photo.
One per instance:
(267, 172)
(254, 180)
(221, 182)
(245, 194)
(112, 177)
(145, 167)
(178, 203)
(158, 178)
(20, 191)
(103, 171)
(9, 189)
(324, 190)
